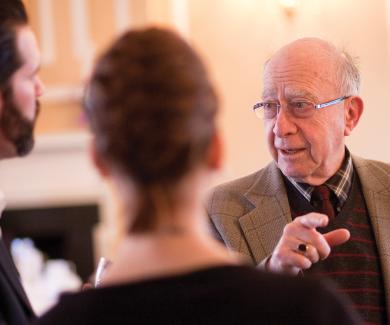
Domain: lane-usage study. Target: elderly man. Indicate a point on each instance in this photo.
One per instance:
(19, 89)
(316, 209)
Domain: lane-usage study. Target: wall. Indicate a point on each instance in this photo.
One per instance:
(235, 37)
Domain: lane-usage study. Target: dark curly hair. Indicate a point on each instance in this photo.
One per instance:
(152, 110)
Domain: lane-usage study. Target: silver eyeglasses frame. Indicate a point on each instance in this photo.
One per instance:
(316, 106)
(331, 102)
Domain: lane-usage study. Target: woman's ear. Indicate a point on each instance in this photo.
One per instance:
(353, 113)
(99, 162)
(215, 152)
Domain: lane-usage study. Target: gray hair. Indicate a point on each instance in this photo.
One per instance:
(348, 74)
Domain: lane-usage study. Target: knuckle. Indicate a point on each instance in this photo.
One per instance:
(315, 260)
(281, 254)
(314, 257)
(289, 228)
(298, 219)
(278, 255)
(306, 264)
(327, 251)
(324, 253)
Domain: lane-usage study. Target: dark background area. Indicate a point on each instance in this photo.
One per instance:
(59, 232)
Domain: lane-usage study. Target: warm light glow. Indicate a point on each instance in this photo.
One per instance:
(289, 4)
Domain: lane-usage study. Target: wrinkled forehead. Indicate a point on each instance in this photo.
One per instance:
(303, 69)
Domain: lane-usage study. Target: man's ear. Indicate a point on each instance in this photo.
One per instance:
(353, 112)
(99, 162)
(215, 152)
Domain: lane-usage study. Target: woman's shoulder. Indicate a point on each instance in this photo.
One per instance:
(221, 293)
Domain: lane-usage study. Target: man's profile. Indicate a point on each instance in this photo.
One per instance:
(20, 87)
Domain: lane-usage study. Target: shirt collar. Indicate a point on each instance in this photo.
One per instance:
(340, 183)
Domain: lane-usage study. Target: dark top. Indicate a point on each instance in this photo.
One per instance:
(218, 295)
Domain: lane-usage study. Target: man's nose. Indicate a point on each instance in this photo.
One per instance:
(284, 123)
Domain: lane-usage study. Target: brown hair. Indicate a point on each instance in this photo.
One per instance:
(12, 15)
(152, 110)
(14, 126)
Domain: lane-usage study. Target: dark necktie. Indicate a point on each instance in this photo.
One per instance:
(321, 200)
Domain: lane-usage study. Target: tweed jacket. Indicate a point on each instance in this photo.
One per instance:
(248, 214)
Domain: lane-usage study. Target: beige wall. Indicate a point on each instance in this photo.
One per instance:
(235, 37)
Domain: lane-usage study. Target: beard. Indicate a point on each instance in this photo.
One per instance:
(15, 127)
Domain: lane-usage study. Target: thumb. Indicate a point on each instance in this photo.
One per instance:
(337, 237)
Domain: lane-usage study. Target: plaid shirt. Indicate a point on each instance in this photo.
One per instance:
(340, 183)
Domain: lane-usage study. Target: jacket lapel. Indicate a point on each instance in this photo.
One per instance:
(262, 227)
(377, 196)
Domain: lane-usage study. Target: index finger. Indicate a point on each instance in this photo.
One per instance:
(313, 220)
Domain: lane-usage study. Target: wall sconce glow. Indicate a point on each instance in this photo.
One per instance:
(289, 6)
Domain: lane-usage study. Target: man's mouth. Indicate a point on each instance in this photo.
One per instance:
(291, 151)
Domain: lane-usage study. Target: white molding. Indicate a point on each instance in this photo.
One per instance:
(122, 18)
(57, 172)
(62, 142)
(83, 48)
(60, 94)
(180, 18)
(79, 25)
(46, 31)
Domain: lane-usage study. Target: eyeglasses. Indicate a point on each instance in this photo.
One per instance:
(298, 108)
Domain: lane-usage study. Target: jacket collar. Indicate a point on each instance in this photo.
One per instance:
(263, 225)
